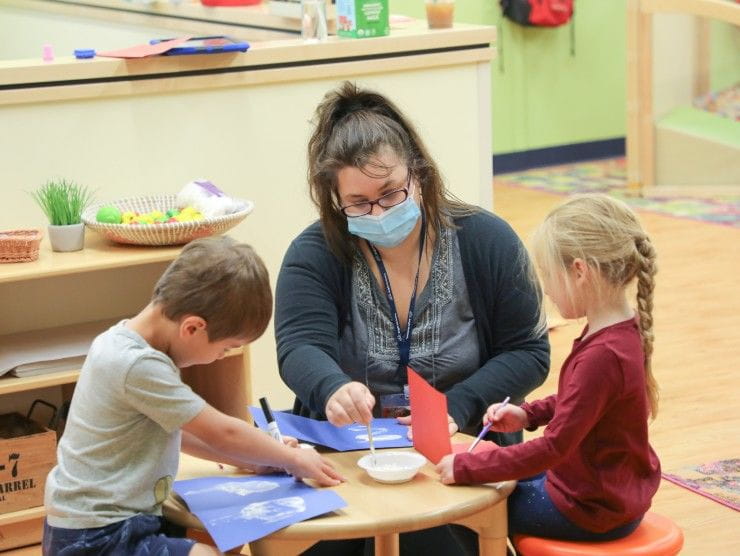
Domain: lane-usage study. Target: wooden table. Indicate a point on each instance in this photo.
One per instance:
(373, 510)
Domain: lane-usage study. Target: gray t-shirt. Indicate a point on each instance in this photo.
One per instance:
(120, 449)
(444, 345)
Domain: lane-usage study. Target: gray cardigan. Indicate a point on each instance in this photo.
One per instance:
(313, 297)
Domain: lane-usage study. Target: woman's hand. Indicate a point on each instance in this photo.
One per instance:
(452, 426)
(446, 469)
(510, 418)
(351, 403)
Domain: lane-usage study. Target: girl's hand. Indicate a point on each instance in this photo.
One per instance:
(505, 419)
(452, 426)
(351, 403)
(446, 469)
(306, 463)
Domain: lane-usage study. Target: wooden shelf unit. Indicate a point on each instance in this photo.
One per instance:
(10, 385)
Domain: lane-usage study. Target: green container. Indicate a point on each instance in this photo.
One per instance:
(361, 19)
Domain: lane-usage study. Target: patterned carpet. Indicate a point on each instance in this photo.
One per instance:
(610, 176)
(718, 480)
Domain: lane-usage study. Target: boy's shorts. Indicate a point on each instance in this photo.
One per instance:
(141, 535)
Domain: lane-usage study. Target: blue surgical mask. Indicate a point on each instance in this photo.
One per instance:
(389, 228)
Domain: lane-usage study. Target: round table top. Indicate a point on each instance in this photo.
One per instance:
(372, 508)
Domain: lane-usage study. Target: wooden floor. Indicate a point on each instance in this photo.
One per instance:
(697, 353)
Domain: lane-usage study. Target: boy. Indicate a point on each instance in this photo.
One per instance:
(131, 412)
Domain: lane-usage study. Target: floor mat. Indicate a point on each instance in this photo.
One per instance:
(718, 480)
(610, 176)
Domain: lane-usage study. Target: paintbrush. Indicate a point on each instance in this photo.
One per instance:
(487, 428)
(370, 438)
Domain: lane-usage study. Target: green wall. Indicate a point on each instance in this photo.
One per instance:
(725, 55)
(543, 96)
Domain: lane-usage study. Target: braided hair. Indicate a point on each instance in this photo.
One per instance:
(606, 234)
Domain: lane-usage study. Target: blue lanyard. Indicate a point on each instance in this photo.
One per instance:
(403, 338)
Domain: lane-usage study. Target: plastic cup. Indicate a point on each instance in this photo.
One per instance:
(313, 20)
(440, 13)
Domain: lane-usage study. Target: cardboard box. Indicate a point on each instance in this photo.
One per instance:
(27, 454)
(361, 19)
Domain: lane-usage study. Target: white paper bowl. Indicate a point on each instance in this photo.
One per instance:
(392, 467)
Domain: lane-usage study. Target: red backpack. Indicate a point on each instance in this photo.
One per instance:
(538, 13)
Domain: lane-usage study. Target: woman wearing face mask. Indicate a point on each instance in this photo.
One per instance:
(397, 272)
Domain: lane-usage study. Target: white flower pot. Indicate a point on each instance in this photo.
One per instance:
(67, 238)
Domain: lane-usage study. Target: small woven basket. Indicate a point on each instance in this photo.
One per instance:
(167, 233)
(20, 246)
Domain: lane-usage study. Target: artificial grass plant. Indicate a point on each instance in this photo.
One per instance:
(63, 201)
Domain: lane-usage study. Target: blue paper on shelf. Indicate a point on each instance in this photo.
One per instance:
(205, 45)
(387, 432)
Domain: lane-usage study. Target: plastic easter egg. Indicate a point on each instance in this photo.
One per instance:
(128, 217)
(109, 215)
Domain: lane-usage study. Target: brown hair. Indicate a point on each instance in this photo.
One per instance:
(223, 282)
(353, 126)
(606, 234)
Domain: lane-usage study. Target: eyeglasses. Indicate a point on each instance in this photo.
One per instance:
(390, 199)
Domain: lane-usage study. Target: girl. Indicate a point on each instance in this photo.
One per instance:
(601, 473)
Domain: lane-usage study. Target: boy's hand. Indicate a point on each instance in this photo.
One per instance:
(267, 469)
(446, 469)
(351, 403)
(306, 463)
(290, 441)
(505, 419)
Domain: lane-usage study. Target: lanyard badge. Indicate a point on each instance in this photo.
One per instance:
(398, 404)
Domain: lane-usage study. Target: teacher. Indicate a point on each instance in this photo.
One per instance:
(397, 272)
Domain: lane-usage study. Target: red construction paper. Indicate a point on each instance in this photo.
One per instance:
(429, 425)
(143, 50)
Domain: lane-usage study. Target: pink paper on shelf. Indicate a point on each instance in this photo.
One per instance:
(144, 50)
(429, 425)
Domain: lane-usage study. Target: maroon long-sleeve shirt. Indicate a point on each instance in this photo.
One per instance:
(602, 472)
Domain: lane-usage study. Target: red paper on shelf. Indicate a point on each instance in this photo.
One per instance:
(429, 425)
(143, 50)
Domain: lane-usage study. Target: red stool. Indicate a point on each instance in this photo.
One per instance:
(655, 536)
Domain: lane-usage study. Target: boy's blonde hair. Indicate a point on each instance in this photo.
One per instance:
(606, 234)
(223, 282)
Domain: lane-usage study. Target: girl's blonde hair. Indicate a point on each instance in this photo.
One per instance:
(605, 233)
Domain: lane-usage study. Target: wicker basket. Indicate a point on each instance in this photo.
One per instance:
(20, 246)
(168, 233)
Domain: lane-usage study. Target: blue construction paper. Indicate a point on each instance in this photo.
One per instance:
(387, 432)
(239, 510)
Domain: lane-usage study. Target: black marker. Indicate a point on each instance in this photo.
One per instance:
(272, 427)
